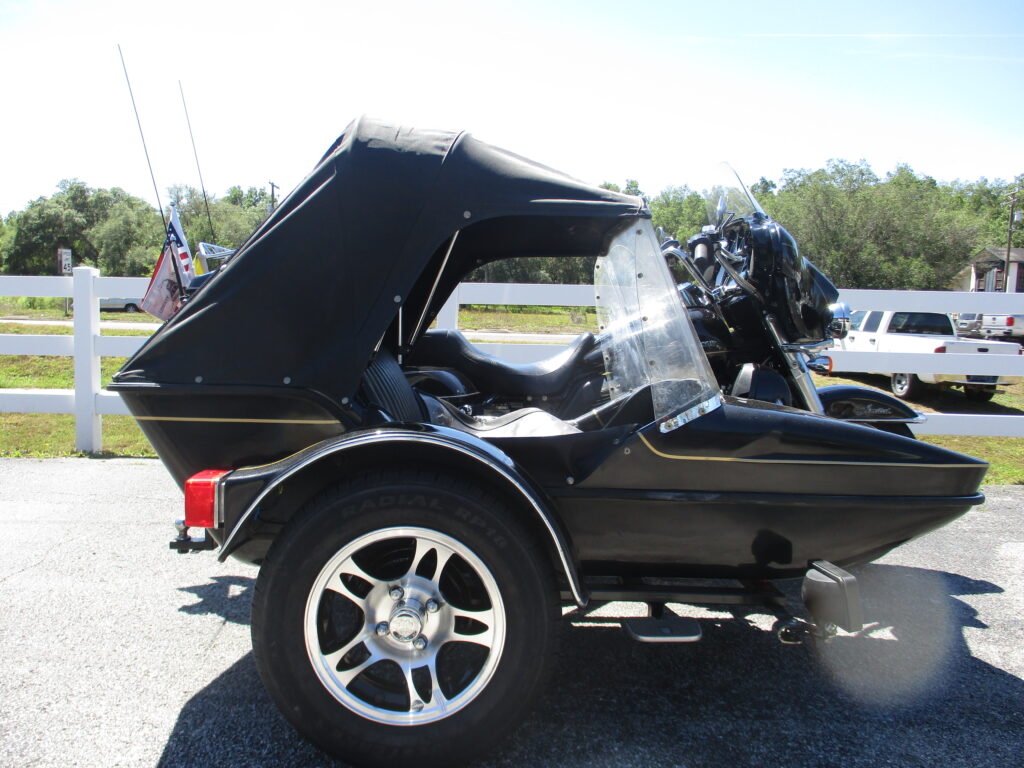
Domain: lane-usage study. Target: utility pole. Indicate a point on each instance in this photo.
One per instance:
(273, 187)
(1016, 215)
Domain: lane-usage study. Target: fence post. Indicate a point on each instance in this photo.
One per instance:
(88, 428)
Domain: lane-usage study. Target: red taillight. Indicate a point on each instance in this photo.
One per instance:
(201, 498)
(940, 349)
(1009, 320)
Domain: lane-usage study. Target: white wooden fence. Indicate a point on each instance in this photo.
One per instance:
(88, 402)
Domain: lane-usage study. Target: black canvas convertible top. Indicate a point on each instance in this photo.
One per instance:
(305, 301)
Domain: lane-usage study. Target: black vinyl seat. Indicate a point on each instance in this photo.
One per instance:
(450, 349)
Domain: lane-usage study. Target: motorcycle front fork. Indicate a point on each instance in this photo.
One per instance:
(794, 355)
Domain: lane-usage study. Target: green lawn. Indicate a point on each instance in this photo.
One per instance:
(53, 309)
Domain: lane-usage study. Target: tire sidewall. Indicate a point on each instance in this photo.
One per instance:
(337, 518)
(908, 389)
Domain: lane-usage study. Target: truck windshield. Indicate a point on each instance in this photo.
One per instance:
(927, 323)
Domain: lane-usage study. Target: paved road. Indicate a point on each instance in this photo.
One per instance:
(116, 652)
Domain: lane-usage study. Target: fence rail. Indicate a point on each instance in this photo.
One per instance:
(88, 402)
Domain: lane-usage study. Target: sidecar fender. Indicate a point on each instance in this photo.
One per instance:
(270, 494)
(863, 404)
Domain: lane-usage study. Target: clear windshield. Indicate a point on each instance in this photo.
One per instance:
(729, 196)
(650, 340)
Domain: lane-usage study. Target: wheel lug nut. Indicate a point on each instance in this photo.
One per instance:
(433, 606)
(382, 629)
(397, 593)
(419, 643)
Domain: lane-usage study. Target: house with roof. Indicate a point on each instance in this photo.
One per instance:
(987, 272)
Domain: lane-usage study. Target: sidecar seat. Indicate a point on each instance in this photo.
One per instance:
(450, 349)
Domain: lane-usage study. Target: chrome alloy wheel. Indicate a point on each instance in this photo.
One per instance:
(404, 626)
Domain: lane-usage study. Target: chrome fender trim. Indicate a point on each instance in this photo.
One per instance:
(445, 439)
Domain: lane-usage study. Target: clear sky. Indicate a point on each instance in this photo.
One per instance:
(601, 90)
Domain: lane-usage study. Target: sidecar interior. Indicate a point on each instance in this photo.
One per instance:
(387, 388)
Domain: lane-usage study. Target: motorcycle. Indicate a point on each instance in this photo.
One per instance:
(414, 555)
(758, 307)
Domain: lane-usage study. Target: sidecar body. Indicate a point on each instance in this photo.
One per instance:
(280, 397)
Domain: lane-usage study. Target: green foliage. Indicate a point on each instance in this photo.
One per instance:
(117, 232)
(680, 211)
(904, 232)
(563, 270)
(129, 238)
(234, 217)
(107, 228)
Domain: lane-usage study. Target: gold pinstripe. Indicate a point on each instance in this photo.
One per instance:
(664, 455)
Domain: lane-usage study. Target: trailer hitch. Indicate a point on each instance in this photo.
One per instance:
(183, 543)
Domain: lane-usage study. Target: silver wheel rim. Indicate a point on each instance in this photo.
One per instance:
(901, 382)
(430, 634)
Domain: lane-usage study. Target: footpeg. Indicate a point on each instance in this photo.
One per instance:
(668, 628)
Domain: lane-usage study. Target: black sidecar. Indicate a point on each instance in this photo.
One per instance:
(413, 556)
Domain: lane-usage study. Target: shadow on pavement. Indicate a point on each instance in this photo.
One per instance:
(229, 597)
(906, 691)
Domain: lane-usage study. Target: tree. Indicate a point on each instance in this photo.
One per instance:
(680, 211)
(129, 238)
(906, 232)
(62, 221)
(234, 218)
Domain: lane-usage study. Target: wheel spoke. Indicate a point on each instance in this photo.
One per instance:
(437, 698)
(485, 617)
(414, 695)
(424, 548)
(332, 659)
(349, 568)
(347, 676)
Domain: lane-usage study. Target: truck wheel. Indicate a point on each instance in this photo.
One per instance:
(404, 618)
(979, 394)
(906, 386)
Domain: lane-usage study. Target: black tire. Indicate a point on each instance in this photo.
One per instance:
(979, 394)
(906, 386)
(330, 581)
(131, 308)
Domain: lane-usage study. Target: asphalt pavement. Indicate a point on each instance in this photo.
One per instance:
(115, 651)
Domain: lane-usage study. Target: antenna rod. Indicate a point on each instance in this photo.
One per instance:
(206, 200)
(159, 205)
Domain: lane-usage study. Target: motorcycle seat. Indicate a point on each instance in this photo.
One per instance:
(442, 348)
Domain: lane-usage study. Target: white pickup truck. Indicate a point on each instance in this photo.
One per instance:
(1003, 327)
(878, 331)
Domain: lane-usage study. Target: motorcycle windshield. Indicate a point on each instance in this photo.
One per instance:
(650, 339)
(730, 197)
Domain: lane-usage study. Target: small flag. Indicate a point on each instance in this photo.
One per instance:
(163, 295)
(177, 236)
